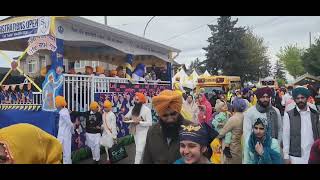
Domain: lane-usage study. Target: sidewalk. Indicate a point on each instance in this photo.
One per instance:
(129, 160)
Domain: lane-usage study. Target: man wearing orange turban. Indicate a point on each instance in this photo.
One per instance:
(28, 144)
(162, 144)
(93, 129)
(66, 128)
(141, 116)
(109, 135)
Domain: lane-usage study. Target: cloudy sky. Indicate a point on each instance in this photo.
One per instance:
(190, 33)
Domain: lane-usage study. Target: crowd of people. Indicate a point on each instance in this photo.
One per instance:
(245, 126)
(16, 94)
(140, 73)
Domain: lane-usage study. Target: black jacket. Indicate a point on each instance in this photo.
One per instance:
(92, 121)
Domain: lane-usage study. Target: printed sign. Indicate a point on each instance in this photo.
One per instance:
(23, 27)
(41, 42)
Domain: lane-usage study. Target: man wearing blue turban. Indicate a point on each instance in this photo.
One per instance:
(139, 72)
(301, 127)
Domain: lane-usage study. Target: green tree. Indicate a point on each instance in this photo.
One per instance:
(279, 70)
(197, 65)
(225, 50)
(236, 51)
(257, 63)
(311, 59)
(290, 56)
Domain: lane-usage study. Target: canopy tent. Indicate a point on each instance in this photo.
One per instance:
(206, 74)
(182, 75)
(194, 76)
(191, 81)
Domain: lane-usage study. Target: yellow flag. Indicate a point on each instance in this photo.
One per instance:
(34, 108)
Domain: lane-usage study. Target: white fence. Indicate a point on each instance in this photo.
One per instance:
(79, 90)
(37, 98)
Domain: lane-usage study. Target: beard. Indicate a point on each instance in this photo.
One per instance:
(264, 104)
(136, 109)
(170, 130)
(301, 105)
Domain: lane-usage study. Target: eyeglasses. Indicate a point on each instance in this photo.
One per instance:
(171, 114)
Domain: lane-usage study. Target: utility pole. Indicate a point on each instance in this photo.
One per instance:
(106, 20)
(310, 39)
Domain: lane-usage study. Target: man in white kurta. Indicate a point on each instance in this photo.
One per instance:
(308, 126)
(109, 126)
(66, 128)
(140, 126)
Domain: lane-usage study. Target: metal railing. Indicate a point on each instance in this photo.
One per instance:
(36, 101)
(79, 90)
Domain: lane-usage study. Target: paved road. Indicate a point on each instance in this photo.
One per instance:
(129, 160)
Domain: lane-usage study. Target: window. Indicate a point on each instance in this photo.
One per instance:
(77, 65)
(82, 63)
(43, 62)
(32, 66)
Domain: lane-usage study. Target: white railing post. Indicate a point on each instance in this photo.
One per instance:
(92, 88)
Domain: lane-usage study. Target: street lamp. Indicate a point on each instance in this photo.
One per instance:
(144, 32)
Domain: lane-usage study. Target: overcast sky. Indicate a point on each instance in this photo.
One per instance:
(190, 33)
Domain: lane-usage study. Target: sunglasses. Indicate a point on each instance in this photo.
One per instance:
(171, 114)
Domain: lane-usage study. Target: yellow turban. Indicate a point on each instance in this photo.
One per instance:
(167, 99)
(43, 71)
(60, 102)
(107, 104)
(94, 106)
(179, 92)
(28, 144)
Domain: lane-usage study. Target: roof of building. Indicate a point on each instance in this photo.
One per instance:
(306, 76)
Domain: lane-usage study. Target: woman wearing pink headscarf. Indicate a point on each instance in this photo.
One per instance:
(205, 114)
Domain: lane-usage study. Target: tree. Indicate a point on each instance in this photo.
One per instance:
(197, 65)
(257, 62)
(290, 56)
(236, 51)
(279, 71)
(224, 52)
(311, 59)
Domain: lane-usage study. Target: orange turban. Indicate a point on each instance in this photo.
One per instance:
(43, 71)
(99, 69)
(60, 102)
(107, 104)
(142, 98)
(94, 106)
(113, 73)
(167, 99)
